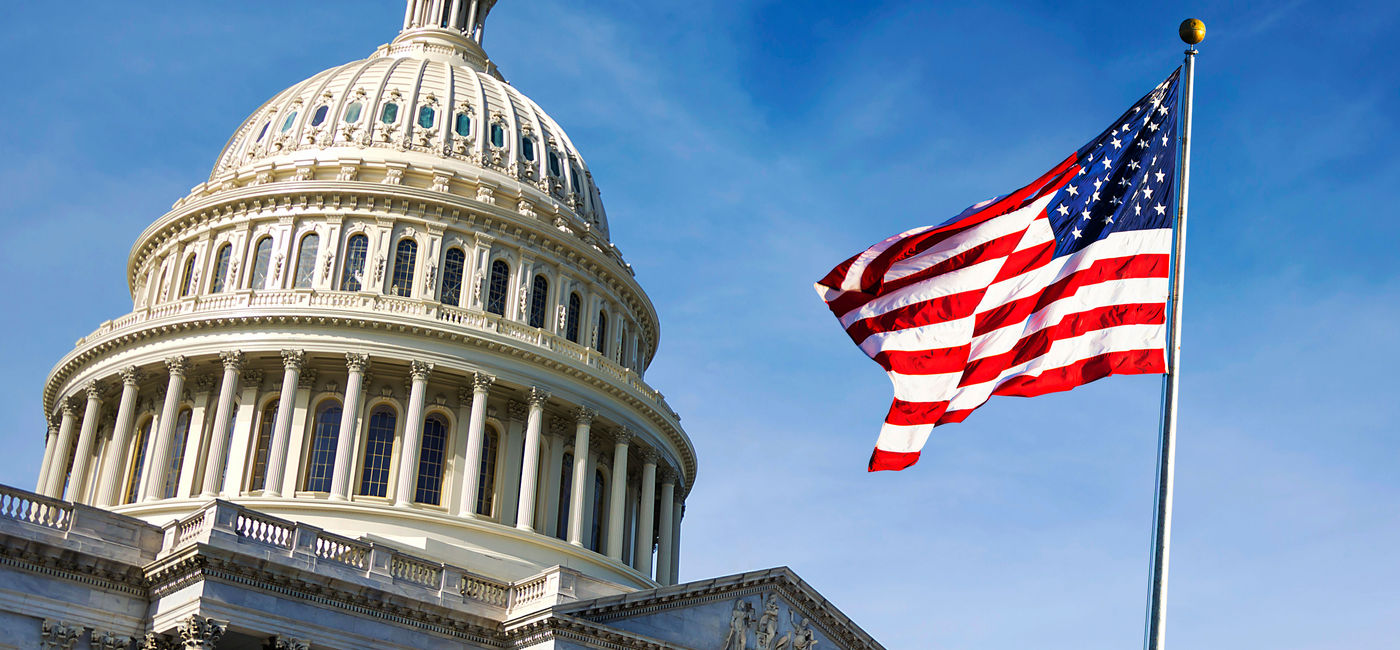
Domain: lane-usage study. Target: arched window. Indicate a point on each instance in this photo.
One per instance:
(138, 458)
(401, 284)
(566, 491)
(263, 446)
(262, 257)
(600, 485)
(602, 343)
(571, 317)
(379, 452)
(306, 261)
(181, 435)
(539, 301)
(321, 463)
(220, 268)
(486, 477)
(352, 275)
(453, 266)
(187, 276)
(500, 282)
(430, 461)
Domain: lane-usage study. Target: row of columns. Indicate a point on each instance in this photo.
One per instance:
(473, 410)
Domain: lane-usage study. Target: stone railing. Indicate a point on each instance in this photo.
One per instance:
(261, 528)
(466, 320)
(342, 550)
(35, 509)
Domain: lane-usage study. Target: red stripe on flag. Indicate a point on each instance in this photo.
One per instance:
(924, 362)
(1128, 362)
(881, 460)
(904, 413)
(928, 312)
(1113, 268)
(1038, 343)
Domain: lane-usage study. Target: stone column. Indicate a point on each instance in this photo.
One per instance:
(581, 478)
(58, 468)
(86, 439)
(296, 440)
(476, 436)
(646, 513)
(355, 365)
(165, 436)
(195, 438)
(512, 447)
(218, 439)
(665, 547)
(50, 442)
(618, 499)
(412, 433)
(678, 511)
(292, 362)
(239, 446)
(553, 474)
(114, 462)
(530, 464)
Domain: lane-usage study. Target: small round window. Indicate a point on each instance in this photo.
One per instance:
(319, 117)
(287, 123)
(498, 135)
(464, 124)
(390, 114)
(426, 115)
(527, 149)
(352, 112)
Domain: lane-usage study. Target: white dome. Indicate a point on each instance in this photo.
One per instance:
(430, 99)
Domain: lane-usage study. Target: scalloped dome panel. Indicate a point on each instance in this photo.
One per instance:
(417, 102)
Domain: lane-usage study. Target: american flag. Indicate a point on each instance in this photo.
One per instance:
(1057, 284)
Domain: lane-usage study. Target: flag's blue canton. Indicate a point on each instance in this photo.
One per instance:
(1126, 176)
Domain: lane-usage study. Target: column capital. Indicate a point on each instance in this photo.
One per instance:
(517, 410)
(232, 360)
(648, 455)
(664, 475)
(68, 407)
(294, 359)
(356, 362)
(537, 397)
(622, 436)
(177, 365)
(420, 370)
(200, 632)
(94, 389)
(53, 426)
(481, 382)
(252, 378)
(584, 415)
(130, 375)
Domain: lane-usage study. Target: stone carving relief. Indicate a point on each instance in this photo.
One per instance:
(57, 634)
(348, 173)
(284, 643)
(393, 177)
(109, 641)
(765, 629)
(485, 195)
(198, 632)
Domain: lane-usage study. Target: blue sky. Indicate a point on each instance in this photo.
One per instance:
(744, 147)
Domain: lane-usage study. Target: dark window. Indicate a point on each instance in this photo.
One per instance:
(486, 477)
(306, 260)
(262, 257)
(264, 444)
(263, 132)
(602, 343)
(573, 180)
(464, 124)
(426, 117)
(325, 435)
(404, 256)
(500, 281)
(527, 149)
(287, 123)
(138, 458)
(352, 276)
(319, 117)
(554, 167)
(566, 491)
(379, 452)
(498, 135)
(352, 112)
(187, 276)
(599, 483)
(390, 114)
(220, 268)
(539, 301)
(181, 435)
(453, 267)
(571, 317)
(430, 461)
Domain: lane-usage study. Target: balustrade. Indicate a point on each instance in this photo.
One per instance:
(35, 509)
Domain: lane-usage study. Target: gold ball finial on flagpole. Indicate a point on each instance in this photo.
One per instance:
(1192, 31)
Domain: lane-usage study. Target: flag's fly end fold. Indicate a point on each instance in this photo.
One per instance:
(1055, 285)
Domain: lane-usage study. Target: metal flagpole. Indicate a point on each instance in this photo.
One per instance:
(1192, 31)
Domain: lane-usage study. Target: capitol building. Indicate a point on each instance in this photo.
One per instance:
(382, 385)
